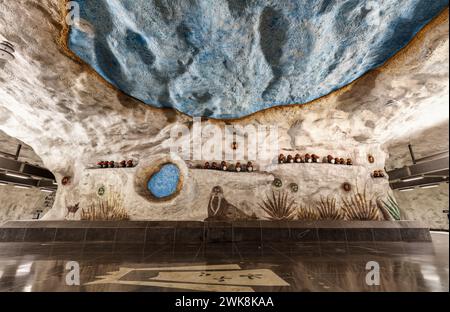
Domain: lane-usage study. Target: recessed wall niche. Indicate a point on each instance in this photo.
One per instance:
(160, 181)
(164, 183)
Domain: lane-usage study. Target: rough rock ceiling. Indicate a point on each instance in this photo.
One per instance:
(71, 119)
(231, 58)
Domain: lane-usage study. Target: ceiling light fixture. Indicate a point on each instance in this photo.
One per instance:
(3, 183)
(22, 187)
(17, 175)
(406, 189)
(412, 179)
(429, 186)
(47, 190)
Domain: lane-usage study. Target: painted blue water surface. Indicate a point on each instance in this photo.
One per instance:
(231, 58)
(165, 182)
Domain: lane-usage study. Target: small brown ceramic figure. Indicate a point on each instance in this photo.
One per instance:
(371, 159)
(130, 163)
(290, 159)
(65, 180)
(330, 159)
(249, 166)
(123, 163)
(336, 161)
(234, 146)
(376, 174)
(111, 164)
(214, 165)
(349, 162)
(281, 159)
(206, 165)
(223, 166)
(342, 161)
(315, 158)
(297, 158)
(238, 167)
(308, 158)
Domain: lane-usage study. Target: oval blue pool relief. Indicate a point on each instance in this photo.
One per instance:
(164, 183)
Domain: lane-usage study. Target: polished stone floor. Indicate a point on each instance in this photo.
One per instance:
(225, 267)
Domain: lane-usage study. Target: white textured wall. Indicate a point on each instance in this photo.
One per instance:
(20, 204)
(426, 205)
(243, 190)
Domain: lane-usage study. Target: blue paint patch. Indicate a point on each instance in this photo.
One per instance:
(231, 58)
(164, 183)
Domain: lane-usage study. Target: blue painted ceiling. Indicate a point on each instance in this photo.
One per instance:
(231, 58)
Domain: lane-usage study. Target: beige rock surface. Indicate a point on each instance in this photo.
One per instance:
(72, 119)
(426, 205)
(21, 204)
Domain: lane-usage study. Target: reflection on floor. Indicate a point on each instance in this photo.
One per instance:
(227, 277)
(233, 267)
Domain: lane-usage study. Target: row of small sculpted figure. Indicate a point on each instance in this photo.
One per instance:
(224, 166)
(313, 159)
(113, 164)
(378, 174)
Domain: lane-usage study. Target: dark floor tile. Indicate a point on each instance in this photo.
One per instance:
(162, 224)
(162, 235)
(129, 247)
(64, 250)
(101, 234)
(386, 235)
(249, 248)
(98, 248)
(70, 235)
(358, 235)
(36, 249)
(275, 234)
(40, 235)
(219, 252)
(326, 235)
(219, 233)
(150, 249)
(333, 248)
(304, 235)
(132, 235)
(306, 266)
(12, 234)
(247, 234)
(132, 224)
(189, 234)
(415, 235)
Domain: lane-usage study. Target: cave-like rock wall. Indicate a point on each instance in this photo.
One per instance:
(426, 205)
(73, 119)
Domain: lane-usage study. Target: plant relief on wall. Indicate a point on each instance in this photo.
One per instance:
(106, 208)
(279, 206)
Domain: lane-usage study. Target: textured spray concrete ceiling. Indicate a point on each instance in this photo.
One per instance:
(231, 58)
